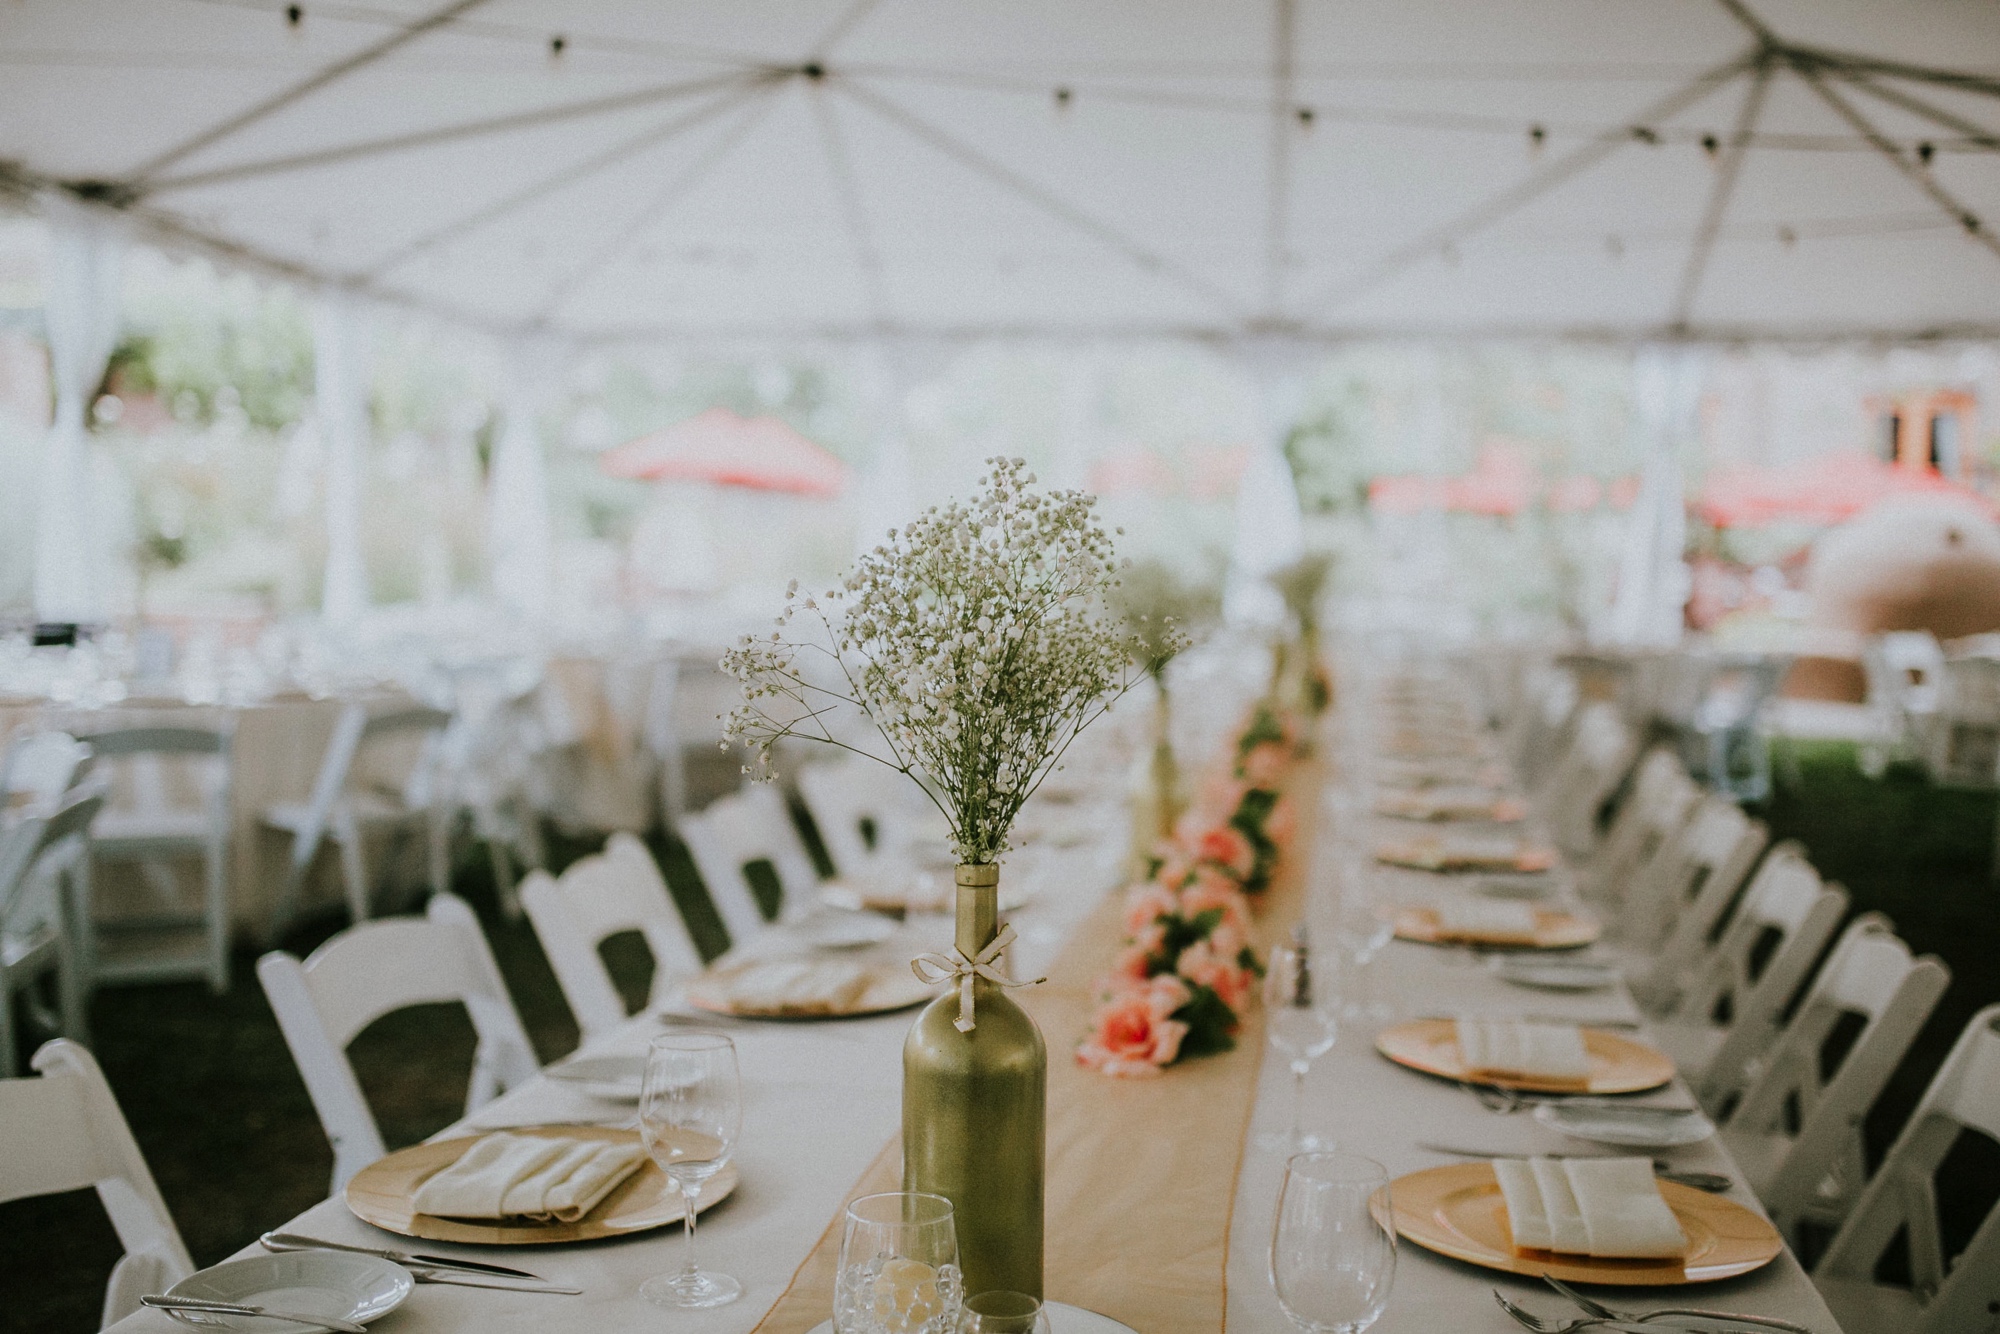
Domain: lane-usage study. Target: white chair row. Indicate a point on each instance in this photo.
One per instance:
(44, 868)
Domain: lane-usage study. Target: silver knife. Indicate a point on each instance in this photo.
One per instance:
(497, 1282)
(287, 1241)
(169, 1302)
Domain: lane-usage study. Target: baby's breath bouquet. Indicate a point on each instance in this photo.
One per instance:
(975, 642)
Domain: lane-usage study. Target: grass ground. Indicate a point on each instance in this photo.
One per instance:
(223, 1119)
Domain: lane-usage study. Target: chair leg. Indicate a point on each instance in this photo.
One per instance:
(503, 879)
(74, 980)
(437, 839)
(217, 888)
(8, 1055)
(353, 869)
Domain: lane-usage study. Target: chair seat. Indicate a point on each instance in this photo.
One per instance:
(114, 832)
(1862, 1307)
(367, 808)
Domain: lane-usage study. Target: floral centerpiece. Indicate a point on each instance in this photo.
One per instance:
(1300, 584)
(1160, 609)
(976, 646)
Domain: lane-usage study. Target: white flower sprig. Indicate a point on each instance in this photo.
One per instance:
(974, 642)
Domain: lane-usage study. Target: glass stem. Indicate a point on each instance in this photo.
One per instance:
(690, 1192)
(1299, 1069)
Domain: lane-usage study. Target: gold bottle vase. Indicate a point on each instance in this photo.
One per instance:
(975, 1107)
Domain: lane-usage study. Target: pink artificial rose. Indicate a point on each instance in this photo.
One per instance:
(1147, 903)
(1265, 765)
(1131, 1036)
(1210, 889)
(1226, 846)
(1216, 802)
(1175, 865)
(1204, 965)
(1282, 823)
(1134, 962)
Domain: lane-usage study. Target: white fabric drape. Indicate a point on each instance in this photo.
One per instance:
(519, 539)
(341, 378)
(1270, 529)
(1652, 575)
(81, 315)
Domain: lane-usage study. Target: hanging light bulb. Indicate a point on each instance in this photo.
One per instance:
(1787, 237)
(1064, 96)
(1925, 151)
(295, 17)
(1305, 117)
(1710, 145)
(1537, 136)
(557, 45)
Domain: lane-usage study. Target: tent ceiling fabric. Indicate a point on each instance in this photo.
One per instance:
(1065, 167)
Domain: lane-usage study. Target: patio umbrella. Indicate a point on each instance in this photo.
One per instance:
(729, 449)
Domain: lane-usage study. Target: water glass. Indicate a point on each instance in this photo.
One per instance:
(1299, 1018)
(690, 1112)
(1003, 1312)
(898, 1266)
(1333, 1243)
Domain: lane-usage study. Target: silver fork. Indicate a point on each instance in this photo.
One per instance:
(1591, 1306)
(1529, 1320)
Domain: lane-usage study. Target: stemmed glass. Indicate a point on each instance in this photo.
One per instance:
(1333, 1243)
(1363, 929)
(898, 1266)
(1000, 1312)
(1299, 1016)
(690, 1112)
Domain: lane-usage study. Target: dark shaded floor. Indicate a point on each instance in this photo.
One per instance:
(222, 1117)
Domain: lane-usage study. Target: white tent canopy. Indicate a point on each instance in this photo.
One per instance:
(1630, 169)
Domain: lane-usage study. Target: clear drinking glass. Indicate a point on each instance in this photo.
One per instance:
(898, 1266)
(1363, 928)
(690, 1112)
(1333, 1244)
(1002, 1312)
(1300, 1018)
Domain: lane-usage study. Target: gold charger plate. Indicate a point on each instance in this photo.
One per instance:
(1553, 931)
(1443, 856)
(1617, 1064)
(1457, 1210)
(891, 987)
(382, 1193)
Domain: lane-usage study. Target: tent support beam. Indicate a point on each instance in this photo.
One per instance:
(618, 152)
(971, 158)
(1727, 172)
(339, 153)
(1284, 28)
(1978, 134)
(853, 212)
(340, 69)
(572, 282)
(1913, 171)
(1484, 214)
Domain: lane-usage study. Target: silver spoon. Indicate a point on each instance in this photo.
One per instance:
(1591, 1306)
(166, 1302)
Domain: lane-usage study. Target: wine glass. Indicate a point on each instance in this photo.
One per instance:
(1363, 928)
(1299, 1016)
(1002, 1312)
(690, 1111)
(1333, 1243)
(898, 1266)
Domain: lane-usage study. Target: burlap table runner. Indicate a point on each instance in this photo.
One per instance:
(1141, 1172)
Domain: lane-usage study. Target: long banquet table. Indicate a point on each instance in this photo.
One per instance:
(822, 1101)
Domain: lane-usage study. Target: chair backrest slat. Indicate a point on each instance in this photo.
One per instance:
(732, 832)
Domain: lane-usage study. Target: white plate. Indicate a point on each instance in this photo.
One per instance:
(332, 1283)
(1556, 974)
(1063, 1319)
(1526, 885)
(1625, 1125)
(613, 1078)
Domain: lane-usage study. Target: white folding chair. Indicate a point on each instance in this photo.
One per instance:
(1652, 812)
(1726, 1014)
(64, 1132)
(1688, 901)
(154, 831)
(352, 800)
(1796, 1132)
(374, 968)
(730, 834)
(1949, 1293)
(862, 817)
(1551, 701)
(44, 864)
(598, 896)
(1599, 754)
(1905, 671)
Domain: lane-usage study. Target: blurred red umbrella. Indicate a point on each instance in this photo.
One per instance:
(729, 449)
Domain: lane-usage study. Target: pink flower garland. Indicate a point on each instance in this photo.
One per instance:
(1187, 972)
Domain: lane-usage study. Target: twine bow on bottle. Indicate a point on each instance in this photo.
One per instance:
(932, 969)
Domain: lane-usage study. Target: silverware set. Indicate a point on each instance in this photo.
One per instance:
(167, 1302)
(1713, 1182)
(1508, 1101)
(1596, 1315)
(430, 1268)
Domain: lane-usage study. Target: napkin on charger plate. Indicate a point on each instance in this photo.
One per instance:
(1523, 1048)
(1606, 1208)
(1492, 922)
(529, 1176)
(1464, 854)
(793, 985)
(1444, 803)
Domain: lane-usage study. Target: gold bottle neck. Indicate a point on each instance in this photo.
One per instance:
(978, 908)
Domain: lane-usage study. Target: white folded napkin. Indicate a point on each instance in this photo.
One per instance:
(529, 1176)
(802, 985)
(1488, 920)
(1607, 1208)
(1516, 1047)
